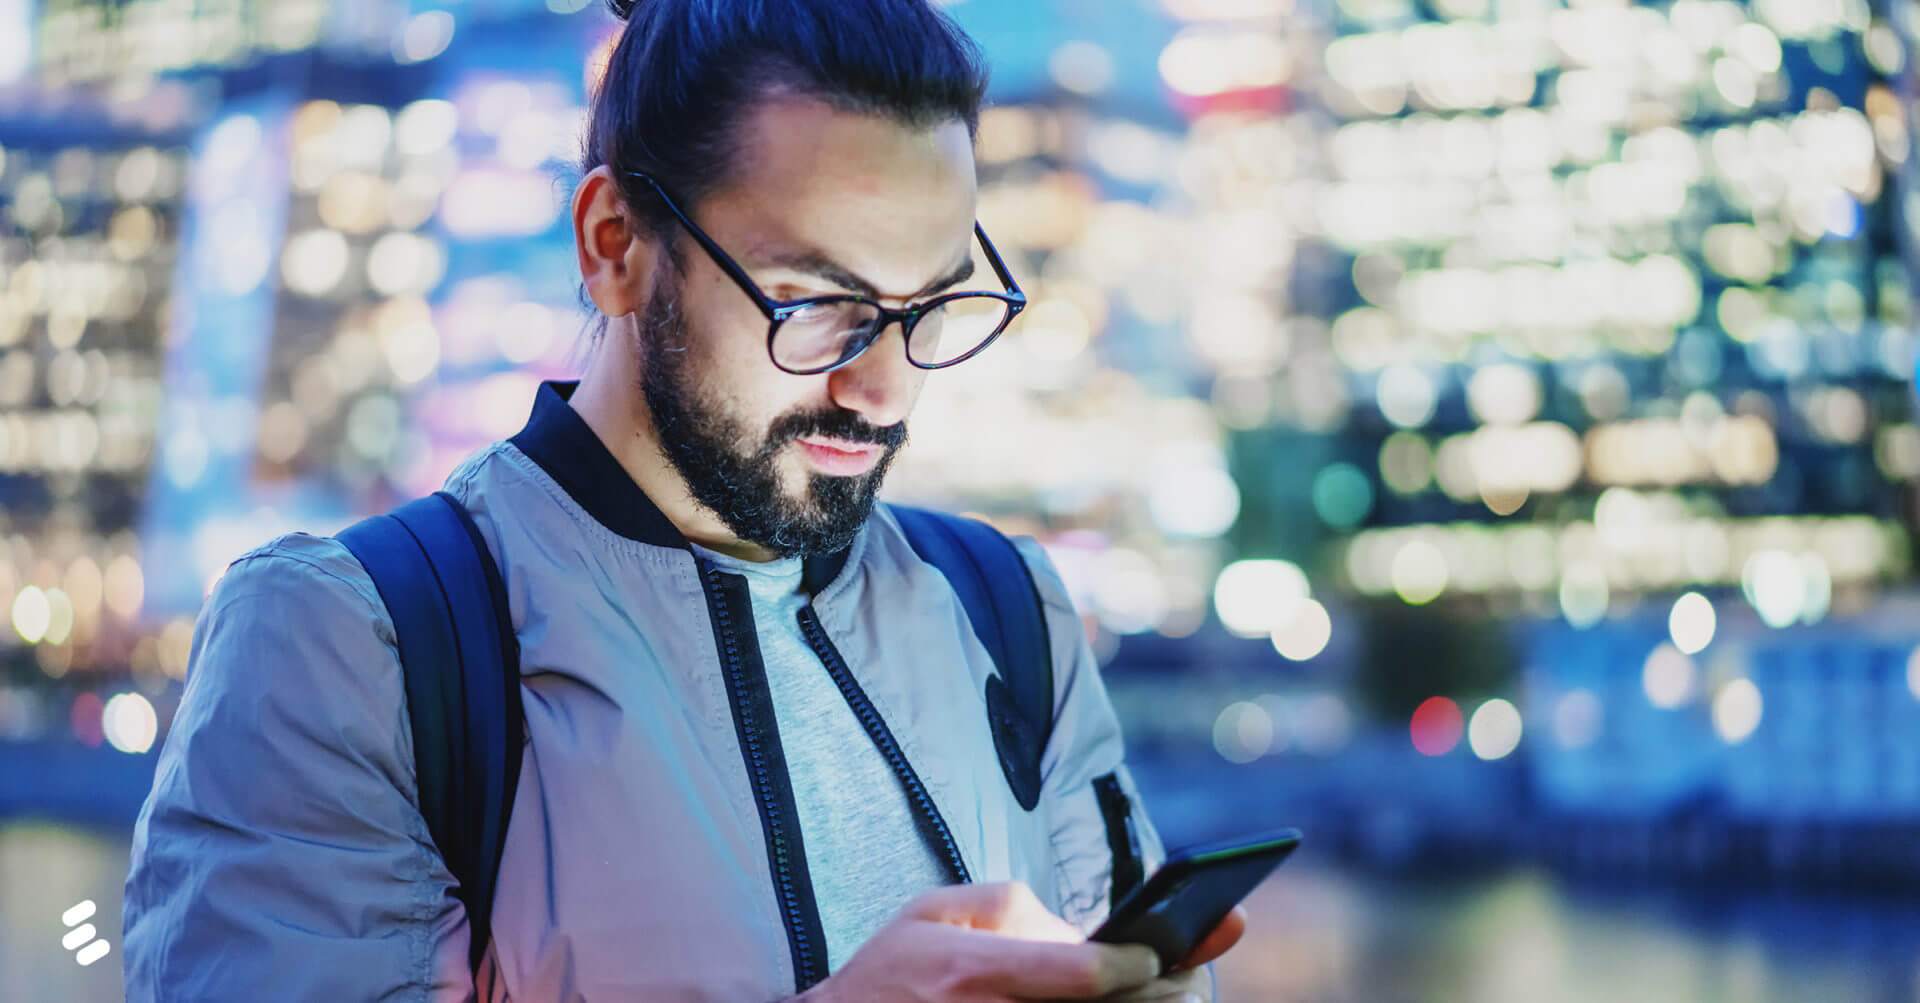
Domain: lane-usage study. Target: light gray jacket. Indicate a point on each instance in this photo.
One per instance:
(282, 854)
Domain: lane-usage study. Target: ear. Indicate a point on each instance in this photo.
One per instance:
(616, 257)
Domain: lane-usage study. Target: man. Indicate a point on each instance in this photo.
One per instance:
(758, 759)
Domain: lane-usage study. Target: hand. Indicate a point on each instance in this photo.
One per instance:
(988, 943)
(1184, 981)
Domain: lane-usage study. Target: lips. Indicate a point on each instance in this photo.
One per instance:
(838, 457)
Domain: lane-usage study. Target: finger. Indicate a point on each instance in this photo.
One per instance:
(1029, 919)
(982, 906)
(1028, 969)
(1214, 944)
(936, 903)
(1005, 907)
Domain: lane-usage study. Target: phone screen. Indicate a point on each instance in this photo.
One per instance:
(1192, 892)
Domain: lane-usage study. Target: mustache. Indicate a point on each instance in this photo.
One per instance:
(837, 423)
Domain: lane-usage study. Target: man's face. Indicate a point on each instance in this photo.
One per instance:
(823, 202)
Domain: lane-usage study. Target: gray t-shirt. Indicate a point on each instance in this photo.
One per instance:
(865, 855)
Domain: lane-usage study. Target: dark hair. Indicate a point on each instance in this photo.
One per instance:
(685, 73)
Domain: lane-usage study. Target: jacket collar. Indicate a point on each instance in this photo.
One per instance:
(560, 442)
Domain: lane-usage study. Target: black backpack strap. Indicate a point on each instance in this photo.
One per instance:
(997, 590)
(462, 668)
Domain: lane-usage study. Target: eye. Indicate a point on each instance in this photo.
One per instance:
(817, 318)
(814, 313)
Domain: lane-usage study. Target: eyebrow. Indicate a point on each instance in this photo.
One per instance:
(817, 264)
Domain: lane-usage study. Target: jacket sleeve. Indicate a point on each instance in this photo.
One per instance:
(281, 853)
(1084, 754)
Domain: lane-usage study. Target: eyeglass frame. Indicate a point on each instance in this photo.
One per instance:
(778, 311)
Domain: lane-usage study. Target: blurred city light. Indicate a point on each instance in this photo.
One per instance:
(59, 617)
(32, 614)
(1406, 396)
(1495, 730)
(1082, 67)
(1736, 711)
(1437, 726)
(87, 719)
(1199, 501)
(1306, 633)
(425, 36)
(1668, 677)
(1584, 595)
(130, 723)
(1254, 597)
(1243, 732)
(1342, 495)
(1774, 583)
(1691, 623)
(1419, 572)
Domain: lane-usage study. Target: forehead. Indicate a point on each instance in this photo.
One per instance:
(893, 203)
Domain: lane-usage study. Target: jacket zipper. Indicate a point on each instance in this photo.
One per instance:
(926, 813)
(780, 849)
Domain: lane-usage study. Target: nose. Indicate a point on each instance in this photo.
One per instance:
(881, 385)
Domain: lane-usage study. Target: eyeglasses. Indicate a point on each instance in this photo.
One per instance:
(818, 334)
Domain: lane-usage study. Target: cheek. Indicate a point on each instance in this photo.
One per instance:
(727, 353)
(731, 331)
(916, 383)
(728, 348)
(756, 395)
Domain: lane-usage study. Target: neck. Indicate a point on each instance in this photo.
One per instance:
(609, 401)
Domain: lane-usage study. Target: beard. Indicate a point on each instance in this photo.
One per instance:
(733, 471)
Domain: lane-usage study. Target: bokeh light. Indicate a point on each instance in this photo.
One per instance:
(1775, 584)
(1495, 730)
(1736, 711)
(60, 617)
(87, 719)
(1253, 597)
(1691, 623)
(1407, 396)
(1342, 495)
(1200, 502)
(1437, 726)
(1584, 595)
(1243, 732)
(32, 614)
(1306, 633)
(130, 723)
(1668, 677)
(1419, 572)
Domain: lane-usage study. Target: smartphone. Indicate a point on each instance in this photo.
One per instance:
(1192, 892)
